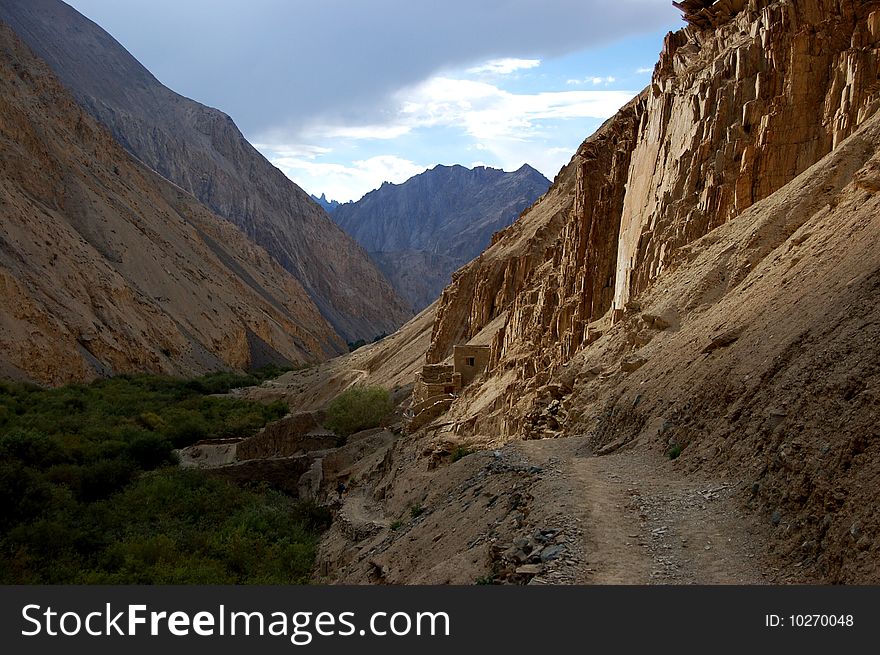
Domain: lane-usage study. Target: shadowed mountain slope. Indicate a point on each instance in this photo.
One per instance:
(105, 267)
(201, 150)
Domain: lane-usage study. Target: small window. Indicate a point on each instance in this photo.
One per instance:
(470, 361)
(448, 389)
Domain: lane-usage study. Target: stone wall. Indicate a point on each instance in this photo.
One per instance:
(294, 434)
(436, 380)
(470, 361)
(427, 411)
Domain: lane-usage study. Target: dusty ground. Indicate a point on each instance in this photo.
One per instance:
(549, 512)
(645, 523)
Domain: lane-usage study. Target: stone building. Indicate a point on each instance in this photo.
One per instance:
(436, 380)
(469, 361)
(438, 384)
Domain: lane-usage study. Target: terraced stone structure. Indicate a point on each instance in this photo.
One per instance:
(436, 380)
(439, 384)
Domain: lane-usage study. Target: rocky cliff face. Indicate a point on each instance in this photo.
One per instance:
(693, 304)
(701, 280)
(201, 150)
(420, 231)
(105, 267)
(732, 114)
(735, 113)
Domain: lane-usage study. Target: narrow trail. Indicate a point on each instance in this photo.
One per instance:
(640, 521)
(549, 512)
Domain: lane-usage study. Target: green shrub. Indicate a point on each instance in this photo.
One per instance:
(313, 516)
(354, 345)
(104, 477)
(86, 495)
(674, 451)
(220, 382)
(150, 451)
(185, 428)
(459, 452)
(151, 421)
(416, 510)
(358, 408)
(272, 371)
(30, 448)
(24, 494)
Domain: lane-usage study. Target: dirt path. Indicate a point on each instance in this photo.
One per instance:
(638, 520)
(549, 512)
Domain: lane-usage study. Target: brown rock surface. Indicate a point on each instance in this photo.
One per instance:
(201, 150)
(105, 267)
(721, 231)
(777, 426)
(732, 115)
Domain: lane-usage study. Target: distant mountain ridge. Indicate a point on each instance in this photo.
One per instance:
(421, 231)
(328, 205)
(201, 150)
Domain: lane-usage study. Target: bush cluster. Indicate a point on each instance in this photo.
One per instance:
(358, 408)
(89, 492)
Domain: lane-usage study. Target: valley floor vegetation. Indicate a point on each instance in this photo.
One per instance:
(358, 408)
(90, 492)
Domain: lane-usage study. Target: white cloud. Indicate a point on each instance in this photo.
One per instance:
(504, 66)
(644, 70)
(479, 109)
(487, 112)
(343, 182)
(506, 128)
(295, 150)
(594, 80)
(357, 131)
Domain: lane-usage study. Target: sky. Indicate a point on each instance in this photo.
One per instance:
(343, 95)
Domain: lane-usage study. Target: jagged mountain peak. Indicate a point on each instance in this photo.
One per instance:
(420, 231)
(328, 205)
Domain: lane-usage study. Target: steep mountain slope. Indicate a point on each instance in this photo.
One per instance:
(392, 362)
(424, 229)
(201, 150)
(694, 303)
(645, 295)
(731, 116)
(105, 267)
